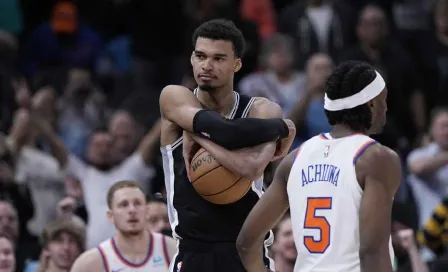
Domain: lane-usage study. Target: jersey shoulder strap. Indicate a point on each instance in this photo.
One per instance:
(244, 105)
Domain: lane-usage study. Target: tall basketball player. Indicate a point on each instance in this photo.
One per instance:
(339, 185)
(133, 248)
(227, 121)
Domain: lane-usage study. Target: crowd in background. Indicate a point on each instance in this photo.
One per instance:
(79, 88)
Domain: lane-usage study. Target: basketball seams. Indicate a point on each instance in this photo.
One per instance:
(224, 189)
(208, 172)
(242, 195)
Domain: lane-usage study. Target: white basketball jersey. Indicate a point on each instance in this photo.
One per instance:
(157, 259)
(325, 197)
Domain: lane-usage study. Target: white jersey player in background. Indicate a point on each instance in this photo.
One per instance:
(339, 185)
(134, 248)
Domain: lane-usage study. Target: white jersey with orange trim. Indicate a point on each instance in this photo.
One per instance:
(325, 197)
(157, 259)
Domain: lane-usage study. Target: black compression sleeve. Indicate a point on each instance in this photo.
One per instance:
(238, 133)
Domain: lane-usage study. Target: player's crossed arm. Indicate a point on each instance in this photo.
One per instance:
(379, 171)
(263, 217)
(249, 162)
(179, 105)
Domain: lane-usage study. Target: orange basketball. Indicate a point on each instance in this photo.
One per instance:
(215, 183)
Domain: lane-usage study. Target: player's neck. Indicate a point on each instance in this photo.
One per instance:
(220, 100)
(53, 268)
(136, 244)
(341, 131)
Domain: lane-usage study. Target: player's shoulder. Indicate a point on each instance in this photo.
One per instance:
(90, 260)
(379, 159)
(378, 151)
(265, 108)
(174, 91)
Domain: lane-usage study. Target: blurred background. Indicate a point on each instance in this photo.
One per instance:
(79, 88)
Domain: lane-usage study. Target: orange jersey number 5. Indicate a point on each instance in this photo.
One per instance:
(312, 221)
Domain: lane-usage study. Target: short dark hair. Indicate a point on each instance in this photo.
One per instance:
(120, 185)
(346, 80)
(221, 29)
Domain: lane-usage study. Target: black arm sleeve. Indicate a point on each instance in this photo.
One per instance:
(238, 133)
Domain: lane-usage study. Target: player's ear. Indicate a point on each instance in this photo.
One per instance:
(109, 216)
(238, 65)
(191, 58)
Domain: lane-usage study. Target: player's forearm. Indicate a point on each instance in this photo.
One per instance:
(374, 261)
(249, 162)
(238, 133)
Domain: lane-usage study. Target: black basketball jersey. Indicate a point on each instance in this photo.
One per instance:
(192, 217)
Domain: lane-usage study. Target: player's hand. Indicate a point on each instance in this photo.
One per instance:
(406, 238)
(189, 148)
(283, 145)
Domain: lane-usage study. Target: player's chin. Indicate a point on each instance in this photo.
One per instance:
(134, 230)
(206, 86)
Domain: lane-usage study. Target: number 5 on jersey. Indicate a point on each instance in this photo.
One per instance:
(313, 221)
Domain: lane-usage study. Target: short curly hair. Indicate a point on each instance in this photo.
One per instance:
(221, 29)
(346, 80)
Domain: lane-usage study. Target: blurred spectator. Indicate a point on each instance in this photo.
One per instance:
(62, 242)
(158, 215)
(308, 111)
(429, 164)
(102, 171)
(7, 258)
(262, 13)
(80, 110)
(406, 112)
(278, 81)
(284, 249)
(433, 56)
(435, 232)
(18, 194)
(125, 133)
(317, 26)
(63, 41)
(26, 247)
(37, 170)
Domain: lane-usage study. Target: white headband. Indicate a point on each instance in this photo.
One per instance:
(365, 95)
